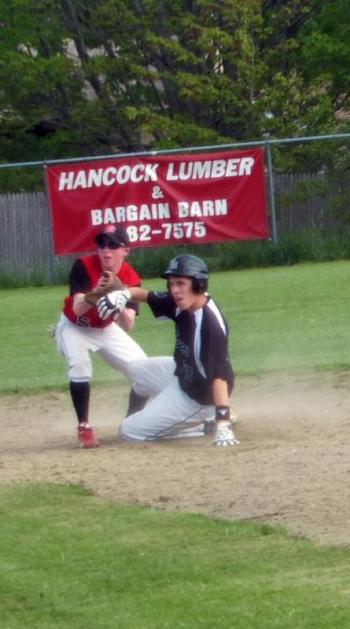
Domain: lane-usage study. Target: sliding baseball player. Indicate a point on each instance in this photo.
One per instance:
(199, 378)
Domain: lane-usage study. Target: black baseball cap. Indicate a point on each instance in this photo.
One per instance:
(117, 236)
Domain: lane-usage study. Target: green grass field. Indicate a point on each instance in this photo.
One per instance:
(281, 319)
(71, 561)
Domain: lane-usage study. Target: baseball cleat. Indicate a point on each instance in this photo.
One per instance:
(87, 437)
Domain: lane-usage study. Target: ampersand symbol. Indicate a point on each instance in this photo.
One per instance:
(157, 193)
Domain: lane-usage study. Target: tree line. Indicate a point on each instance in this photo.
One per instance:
(93, 77)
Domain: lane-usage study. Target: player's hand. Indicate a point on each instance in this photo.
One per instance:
(113, 303)
(104, 280)
(224, 435)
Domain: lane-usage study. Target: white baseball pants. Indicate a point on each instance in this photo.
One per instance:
(170, 412)
(111, 343)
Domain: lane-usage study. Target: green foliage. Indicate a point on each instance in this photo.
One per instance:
(91, 78)
(71, 561)
(15, 180)
(326, 49)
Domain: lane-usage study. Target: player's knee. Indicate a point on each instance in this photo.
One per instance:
(128, 430)
(80, 370)
(124, 430)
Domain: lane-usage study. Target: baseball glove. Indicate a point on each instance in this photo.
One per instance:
(108, 284)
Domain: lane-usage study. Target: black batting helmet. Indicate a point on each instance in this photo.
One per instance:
(187, 265)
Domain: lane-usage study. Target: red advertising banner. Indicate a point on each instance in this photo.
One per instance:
(161, 200)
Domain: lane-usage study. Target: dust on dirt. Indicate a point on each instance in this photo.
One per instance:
(292, 466)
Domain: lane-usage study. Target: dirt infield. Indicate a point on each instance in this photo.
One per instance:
(292, 466)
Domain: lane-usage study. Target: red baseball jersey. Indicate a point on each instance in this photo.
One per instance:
(83, 277)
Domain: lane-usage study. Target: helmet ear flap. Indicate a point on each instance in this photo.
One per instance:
(199, 286)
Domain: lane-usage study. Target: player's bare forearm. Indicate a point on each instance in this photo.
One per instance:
(126, 319)
(80, 306)
(220, 392)
(138, 294)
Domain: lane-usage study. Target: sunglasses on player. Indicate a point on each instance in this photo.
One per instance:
(109, 244)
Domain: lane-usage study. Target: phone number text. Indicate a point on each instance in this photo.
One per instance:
(190, 229)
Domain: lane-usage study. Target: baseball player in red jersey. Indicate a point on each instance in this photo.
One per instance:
(199, 378)
(81, 330)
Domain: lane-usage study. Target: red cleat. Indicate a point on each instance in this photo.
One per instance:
(87, 437)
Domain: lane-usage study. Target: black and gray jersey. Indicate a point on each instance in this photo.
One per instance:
(201, 345)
